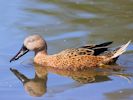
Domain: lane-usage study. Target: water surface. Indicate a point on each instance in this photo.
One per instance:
(65, 24)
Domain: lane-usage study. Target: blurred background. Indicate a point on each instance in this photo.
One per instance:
(64, 24)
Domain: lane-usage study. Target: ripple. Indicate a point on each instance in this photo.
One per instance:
(68, 35)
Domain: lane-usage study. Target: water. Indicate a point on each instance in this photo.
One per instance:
(65, 24)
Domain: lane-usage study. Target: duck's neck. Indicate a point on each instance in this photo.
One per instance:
(40, 56)
(40, 52)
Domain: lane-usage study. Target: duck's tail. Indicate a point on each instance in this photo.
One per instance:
(120, 50)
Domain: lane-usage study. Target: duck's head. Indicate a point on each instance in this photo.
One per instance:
(32, 43)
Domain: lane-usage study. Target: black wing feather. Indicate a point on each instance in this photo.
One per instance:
(99, 48)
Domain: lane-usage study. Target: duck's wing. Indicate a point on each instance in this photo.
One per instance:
(86, 50)
(92, 46)
(97, 48)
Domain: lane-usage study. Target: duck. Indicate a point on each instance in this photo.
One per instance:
(81, 58)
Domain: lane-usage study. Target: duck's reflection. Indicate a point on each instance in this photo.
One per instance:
(38, 85)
